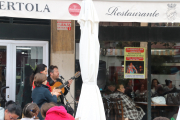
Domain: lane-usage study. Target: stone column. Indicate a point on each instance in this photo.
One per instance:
(63, 53)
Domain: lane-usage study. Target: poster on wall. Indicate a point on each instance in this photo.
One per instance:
(134, 62)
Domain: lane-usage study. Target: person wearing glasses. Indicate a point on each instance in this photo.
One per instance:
(12, 111)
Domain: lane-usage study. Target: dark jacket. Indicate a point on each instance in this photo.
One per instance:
(51, 82)
(41, 95)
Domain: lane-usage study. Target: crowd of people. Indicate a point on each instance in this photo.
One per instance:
(46, 103)
(139, 89)
(48, 111)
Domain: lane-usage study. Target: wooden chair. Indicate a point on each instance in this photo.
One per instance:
(108, 108)
(118, 106)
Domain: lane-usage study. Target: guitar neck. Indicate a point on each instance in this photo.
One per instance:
(60, 87)
(66, 83)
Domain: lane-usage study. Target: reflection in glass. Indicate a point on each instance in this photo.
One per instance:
(26, 60)
(2, 72)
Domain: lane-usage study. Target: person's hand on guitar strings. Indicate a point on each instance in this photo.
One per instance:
(70, 82)
(56, 92)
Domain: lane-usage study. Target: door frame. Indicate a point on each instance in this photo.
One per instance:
(11, 61)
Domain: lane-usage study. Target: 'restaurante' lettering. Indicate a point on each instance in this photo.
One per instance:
(20, 6)
(114, 11)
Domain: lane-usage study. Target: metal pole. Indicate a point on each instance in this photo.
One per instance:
(149, 82)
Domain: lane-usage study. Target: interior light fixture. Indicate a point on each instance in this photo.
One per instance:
(23, 48)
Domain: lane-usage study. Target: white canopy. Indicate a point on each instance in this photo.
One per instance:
(110, 11)
(90, 105)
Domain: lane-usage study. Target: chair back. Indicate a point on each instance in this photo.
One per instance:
(118, 107)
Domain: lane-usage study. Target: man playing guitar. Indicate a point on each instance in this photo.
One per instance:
(52, 79)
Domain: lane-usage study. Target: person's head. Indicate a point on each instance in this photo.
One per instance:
(112, 88)
(142, 87)
(168, 83)
(120, 88)
(45, 107)
(130, 83)
(160, 90)
(53, 72)
(39, 79)
(131, 64)
(12, 111)
(154, 83)
(41, 68)
(30, 110)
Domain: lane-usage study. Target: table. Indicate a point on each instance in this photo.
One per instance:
(153, 104)
(159, 109)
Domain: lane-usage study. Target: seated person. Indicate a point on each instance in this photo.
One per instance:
(131, 111)
(141, 91)
(128, 89)
(161, 92)
(169, 86)
(154, 85)
(111, 88)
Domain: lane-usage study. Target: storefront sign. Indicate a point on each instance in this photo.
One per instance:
(63, 25)
(107, 10)
(134, 62)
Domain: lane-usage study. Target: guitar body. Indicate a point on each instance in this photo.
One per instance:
(59, 85)
(56, 85)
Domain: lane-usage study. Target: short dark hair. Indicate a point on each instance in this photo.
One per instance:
(51, 69)
(39, 78)
(13, 107)
(30, 110)
(45, 107)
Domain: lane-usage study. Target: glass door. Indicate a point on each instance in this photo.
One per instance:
(18, 59)
(27, 55)
(5, 73)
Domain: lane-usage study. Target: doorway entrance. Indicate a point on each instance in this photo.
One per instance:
(18, 59)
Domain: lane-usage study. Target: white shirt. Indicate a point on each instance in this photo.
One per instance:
(1, 113)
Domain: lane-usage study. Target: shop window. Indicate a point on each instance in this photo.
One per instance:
(24, 21)
(165, 78)
(111, 75)
(115, 23)
(168, 24)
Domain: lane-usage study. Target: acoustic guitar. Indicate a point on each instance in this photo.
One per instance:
(59, 85)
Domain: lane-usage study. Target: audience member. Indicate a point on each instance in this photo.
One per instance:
(161, 118)
(129, 89)
(30, 112)
(131, 111)
(154, 86)
(41, 94)
(12, 111)
(169, 86)
(52, 112)
(41, 68)
(111, 88)
(45, 107)
(141, 91)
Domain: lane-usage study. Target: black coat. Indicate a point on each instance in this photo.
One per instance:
(41, 95)
(51, 83)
